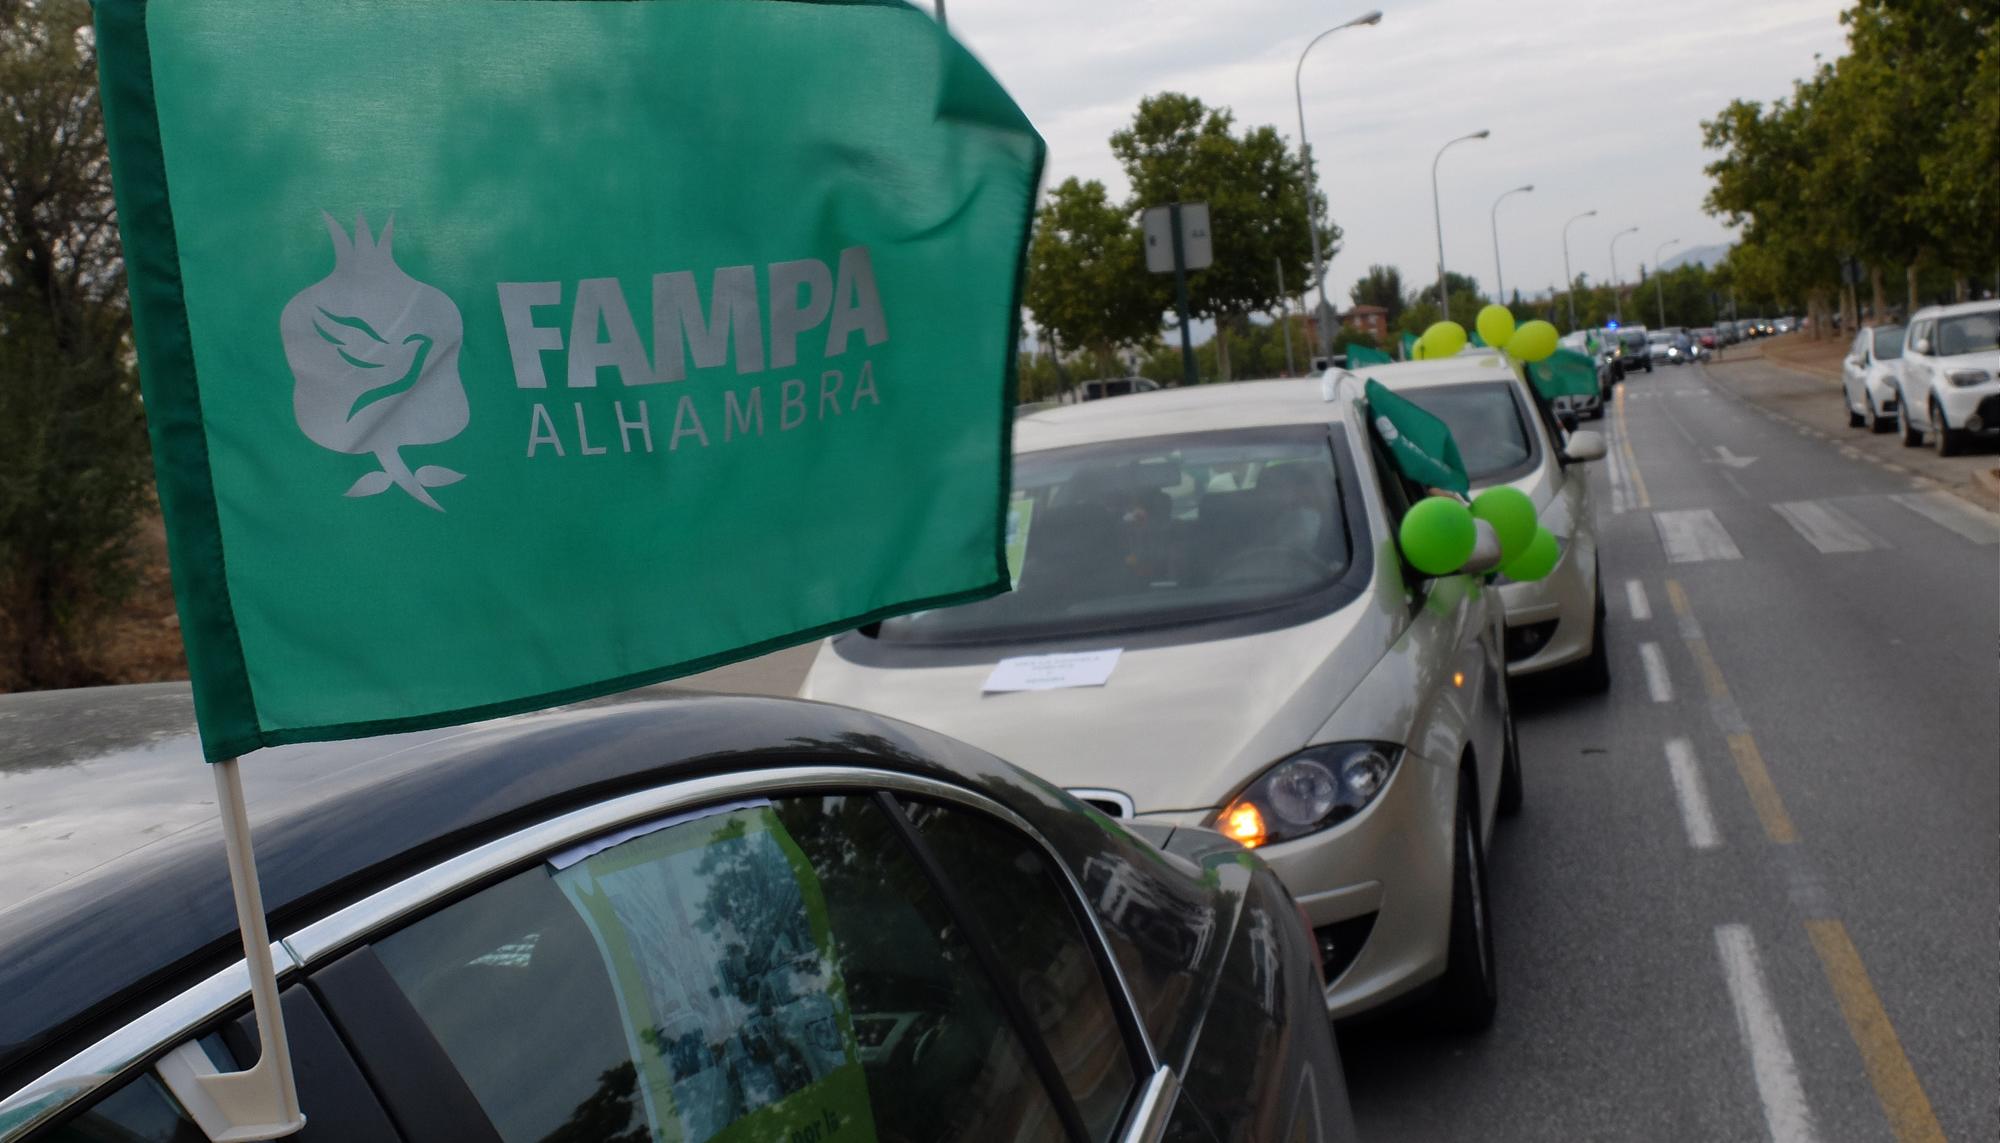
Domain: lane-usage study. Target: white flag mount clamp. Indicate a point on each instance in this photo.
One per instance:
(261, 1101)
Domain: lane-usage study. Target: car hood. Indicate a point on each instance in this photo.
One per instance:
(1178, 727)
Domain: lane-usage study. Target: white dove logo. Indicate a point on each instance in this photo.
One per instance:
(374, 357)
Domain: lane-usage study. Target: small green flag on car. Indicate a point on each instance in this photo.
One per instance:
(498, 355)
(1564, 373)
(1421, 444)
(1361, 355)
(1409, 347)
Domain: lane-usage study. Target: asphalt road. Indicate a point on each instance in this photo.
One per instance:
(1755, 893)
(1754, 896)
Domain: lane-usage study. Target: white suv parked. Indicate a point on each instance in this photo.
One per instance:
(1951, 375)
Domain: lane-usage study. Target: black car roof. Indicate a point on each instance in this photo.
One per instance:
(333, 821)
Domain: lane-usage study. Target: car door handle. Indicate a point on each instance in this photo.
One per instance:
(1154, 1108)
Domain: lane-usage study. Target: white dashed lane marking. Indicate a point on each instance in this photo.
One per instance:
(1786, 1112)
(1947, 510)
(1635, 596)
(1826, 527)
(1658, 683)
(1693, 797)
(1693, 536)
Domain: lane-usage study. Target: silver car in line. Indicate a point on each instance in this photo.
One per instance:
(1261, 661)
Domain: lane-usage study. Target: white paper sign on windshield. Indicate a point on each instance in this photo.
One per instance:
(1053, 672)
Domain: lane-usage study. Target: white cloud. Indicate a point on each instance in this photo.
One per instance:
(1597, 102)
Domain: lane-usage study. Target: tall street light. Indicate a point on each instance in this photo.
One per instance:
(1312, 224)
(1659, 289)
(1569, 287)
(1437, 213)
(1499, 282)
(1617, 283)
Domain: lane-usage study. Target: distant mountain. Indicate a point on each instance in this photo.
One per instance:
(1708, 256)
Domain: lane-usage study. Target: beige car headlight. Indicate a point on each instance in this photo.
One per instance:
(1317, 788)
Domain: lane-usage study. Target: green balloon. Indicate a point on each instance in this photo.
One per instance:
(1512, 515)
(1438, 535)
(1535, 563)
(1496, 325)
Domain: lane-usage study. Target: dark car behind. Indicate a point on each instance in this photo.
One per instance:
(801, 906)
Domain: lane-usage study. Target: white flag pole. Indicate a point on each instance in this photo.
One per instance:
(262, 1101)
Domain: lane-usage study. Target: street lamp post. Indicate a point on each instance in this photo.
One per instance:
(1617, 283)
(1500, 281)
(1437, 214)
(1312, 191)
(1660, 290)
(1569, 286)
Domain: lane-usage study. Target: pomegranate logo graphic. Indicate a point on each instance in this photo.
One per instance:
(374, 357)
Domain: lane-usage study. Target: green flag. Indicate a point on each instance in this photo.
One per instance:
(1409, 347)
(1565, 373)
(1421, 444)
(502, 354)
(1360, 355)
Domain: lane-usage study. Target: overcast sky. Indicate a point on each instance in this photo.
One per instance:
(1598, 103)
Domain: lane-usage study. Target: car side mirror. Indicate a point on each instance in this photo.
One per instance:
(1485, 555)
(1922, 345)
(1584, 445)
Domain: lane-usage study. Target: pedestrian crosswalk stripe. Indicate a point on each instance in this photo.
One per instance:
(1826, 527)
(1943, 508)
(1693, 536)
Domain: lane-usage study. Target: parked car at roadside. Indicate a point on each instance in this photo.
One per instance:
(1951, 375)
(1871, 377)
(1707, 338)
(642, 919)
(1265, 664)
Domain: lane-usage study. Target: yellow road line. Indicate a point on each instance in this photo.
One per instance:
(1896, 1085)
(1679, 599)
(1631, 460)
(1711, 674)
(1763, 793)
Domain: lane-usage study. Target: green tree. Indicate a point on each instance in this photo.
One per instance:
(1087, 280)
(73, 458)
(1177, 149)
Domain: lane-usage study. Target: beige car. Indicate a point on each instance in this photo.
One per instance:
(1212, 626)
(1506, 438)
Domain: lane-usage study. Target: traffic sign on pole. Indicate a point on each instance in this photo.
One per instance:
(1177, 240)
(1196, 244)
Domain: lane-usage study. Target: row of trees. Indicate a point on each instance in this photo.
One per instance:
(75, 473)
(1887, 159)
(1088, 289)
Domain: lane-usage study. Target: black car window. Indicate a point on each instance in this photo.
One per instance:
(1487, 421)
(756, 972)
(1130, 535)
(1030, 917)
(138, 1112)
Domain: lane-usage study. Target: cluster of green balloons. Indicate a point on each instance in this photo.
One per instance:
(1438, 534)
(1530, 341)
